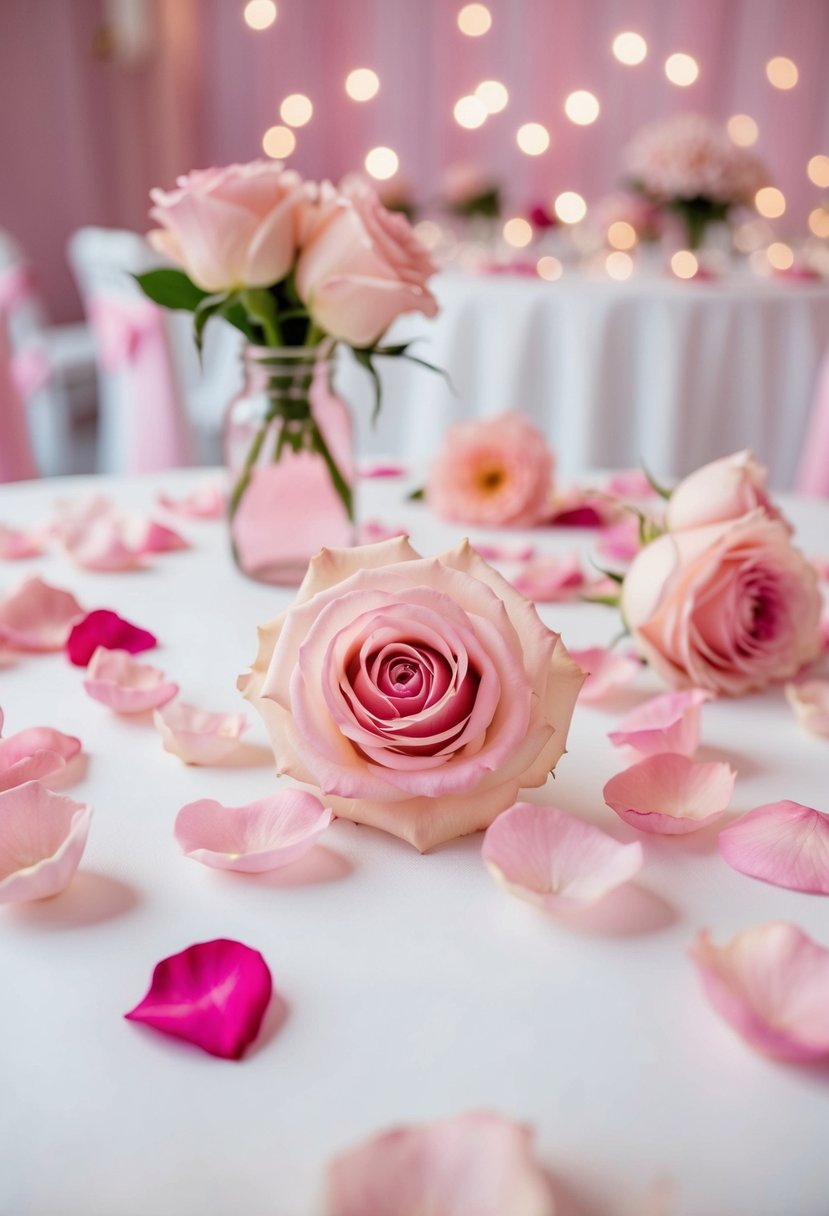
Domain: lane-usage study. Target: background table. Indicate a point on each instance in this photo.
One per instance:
(416, 987)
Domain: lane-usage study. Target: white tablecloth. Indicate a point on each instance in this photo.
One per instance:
(672, 372)
(416, 987)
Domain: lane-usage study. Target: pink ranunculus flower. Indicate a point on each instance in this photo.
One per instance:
(720, 491)
(417, 694)
(729, 607)
(233, 227)
(361, 266)
(495, 471)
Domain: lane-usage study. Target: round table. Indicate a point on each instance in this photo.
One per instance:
(415, 987)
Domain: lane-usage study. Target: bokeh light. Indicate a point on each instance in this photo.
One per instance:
(296, 110)
(780, 255)
(429, 233)
(362, 84)
(782, 72)
(621, 235)
(742, 130)
(582, 108)
(619, 265)
(493, 94)
(770, 202)
(474, 20)
(278, 142)
(681, 69)
(629, 48)
(549, 268)
(684, 264)
(259, 14)
(751, 235)
(518, 232)
(819, 221)
(570, 207)
(818, 170)
(381, 163)
(470, 112)
(533, 138)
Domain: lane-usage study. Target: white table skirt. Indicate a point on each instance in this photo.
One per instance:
(416, 987)
(672, 372)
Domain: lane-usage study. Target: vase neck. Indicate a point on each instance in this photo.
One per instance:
(285, 374)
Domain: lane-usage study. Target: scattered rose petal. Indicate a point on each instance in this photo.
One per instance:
(374, 530)
(103, 546)
(198, 736)
(670, 794)
(576, 507)
(105, 628)
(149, 536)
(771, 984)
(384, 469)
(75, 515)
(260, 836)
(16, 545)
(629, 483)
(206, 501)
(115, 679)
(810, 702)
(42, 837)
(213, 994)
(608, 671)
(783, 843)
(33, 754)
(505, 553)
(37, 616)
(620, 542)
(477, 1164)
(551, 580)
(550, 858)
(667, 723)
(603, 590)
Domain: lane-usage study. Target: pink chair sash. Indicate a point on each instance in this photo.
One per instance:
(813, 473)
(132, 340)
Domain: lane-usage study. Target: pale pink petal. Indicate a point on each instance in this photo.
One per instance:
(213, 994)
(550, 580)
(771, 984)
(374, 530)
(622, 541)
(16, 545)
(783, 843)
(105, 628)
(205, 501)
(670, 794)
(149, 536)
(477, 1164)
(608, 671)
(115, 679)
(104, 545)
(42, 837)
(555, 860)
(259, 836)
(37, 616)
(810, 702)
(197, 736)
(629, 483)
(34, 753)
(576, 507)
(667, 723)
(505, 553)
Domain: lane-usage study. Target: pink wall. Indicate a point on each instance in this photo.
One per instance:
(84, 139)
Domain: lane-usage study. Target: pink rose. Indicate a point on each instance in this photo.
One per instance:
(418, 695)
(728, 607)
(497, 471)
(720, 491)
(231, 228)
(360, 267)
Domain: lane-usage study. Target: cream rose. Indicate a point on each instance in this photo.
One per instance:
(417, 694)
(720, 491)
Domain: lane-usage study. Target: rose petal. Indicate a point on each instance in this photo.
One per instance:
(16, 545)
(116, 680)
(259, 836)
(35, 753)
(477, 1164)
(670, 794)
(667, 723)
(576, 507)
(505, 553)
(197, 736)
(105, 628)
(206, 501)
(607, 671)
(374, 530)
(42, 837)
(810, 702)
(622, 541)
(551, 580)
(37, 616)
(149, 536)
(213, 994)
(550, 858)
(384, 469)
(783, 843)
(629, 483)
(821, 564)
(103, 545)
(771, 984)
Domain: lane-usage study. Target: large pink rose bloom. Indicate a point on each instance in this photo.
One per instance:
(720, 491)
(728, 607)
(361, 266)
(498, 472)
(234, 227)
(418, 695)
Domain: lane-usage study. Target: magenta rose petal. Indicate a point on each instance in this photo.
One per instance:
(206, 501)
(115, 679)
(33, 754)
(15, 545)
(213, 994)
(608, 671)
(771, 985)
(782, 843)
(668, 793)
(42, 838)
(555, 860)
(105, 628)
(198, 736)
(667, 723)
(260, 836)
(810, 702)
(477, 1163)
(37, 616)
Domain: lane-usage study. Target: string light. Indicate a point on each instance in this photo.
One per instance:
(619, 265)
(296, 110)
(684, 264)
(259, 14)
(549, 268)
(533, 138)
(818, 170)
(819, 221)
(629, 48)
(518, 232)
(474, 20)
(381, 163)
(681, 69)
(493, 95)
(770, 202)
(780, 255)
(782, 72)
(570, 207)
(470, 112)
(742, 130)
(362, 84)
(582, 108)
(278, 142)
(621, 235)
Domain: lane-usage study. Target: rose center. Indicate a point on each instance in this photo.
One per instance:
(402, 673)
(491, 479)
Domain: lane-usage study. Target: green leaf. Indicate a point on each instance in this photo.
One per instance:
(261, 307)
(662, 491)
(417, 495)
(171, 288)
(363, 357)
(235, 315)
(209, 307)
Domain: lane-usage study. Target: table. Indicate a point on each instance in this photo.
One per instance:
(415, 987)
(652, 368)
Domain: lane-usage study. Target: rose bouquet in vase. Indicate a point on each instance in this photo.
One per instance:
(297, 267)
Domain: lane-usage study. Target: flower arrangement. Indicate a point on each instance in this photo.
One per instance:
(469, 192)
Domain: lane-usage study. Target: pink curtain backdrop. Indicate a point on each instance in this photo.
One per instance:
(87, 136)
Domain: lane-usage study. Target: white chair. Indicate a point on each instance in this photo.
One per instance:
(813, 473)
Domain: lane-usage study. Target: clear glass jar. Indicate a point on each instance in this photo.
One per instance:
(289, 454)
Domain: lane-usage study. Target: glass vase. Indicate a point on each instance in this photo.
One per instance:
(289, 454)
